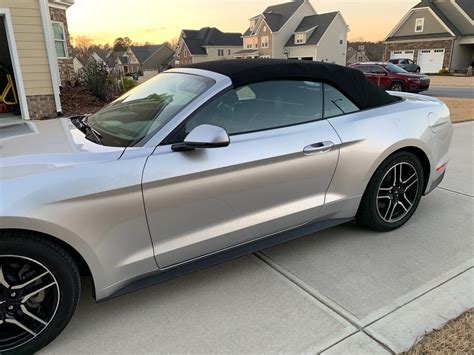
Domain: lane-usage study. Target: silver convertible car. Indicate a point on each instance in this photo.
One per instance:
(197, 166)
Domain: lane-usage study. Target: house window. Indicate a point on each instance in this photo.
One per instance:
(60, 39)
(341, 39)
(249, 43)
(300, 38)
(228, 52)
(264, 41)
(220, 52)
(264, 28)
(419, 24)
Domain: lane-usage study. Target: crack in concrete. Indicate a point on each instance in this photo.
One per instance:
(339, 309)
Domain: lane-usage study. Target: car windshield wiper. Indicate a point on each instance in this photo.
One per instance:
(88, 129)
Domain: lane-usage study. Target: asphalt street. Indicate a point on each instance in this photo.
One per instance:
(343, 290)
(442, 91)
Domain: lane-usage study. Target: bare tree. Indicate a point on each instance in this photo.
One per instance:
(82, 44)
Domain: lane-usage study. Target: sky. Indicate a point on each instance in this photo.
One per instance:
(157, 21)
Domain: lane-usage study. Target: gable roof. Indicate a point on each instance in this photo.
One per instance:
(430, 4)
(144, 52)
(196, 40)
(277, 15)
(467, 6)
(320, 23)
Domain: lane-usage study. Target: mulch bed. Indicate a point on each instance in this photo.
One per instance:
(77, 100)
(455, 337)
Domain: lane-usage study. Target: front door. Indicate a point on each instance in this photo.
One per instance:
(273, 175)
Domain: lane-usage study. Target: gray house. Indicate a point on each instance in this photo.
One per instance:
(436, 34)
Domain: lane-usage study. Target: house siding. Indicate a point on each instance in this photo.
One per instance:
(66, 65)
(265, 31)
(280, 38)
(431, 25)
(329, 48)
(156, 60)
(33, 57)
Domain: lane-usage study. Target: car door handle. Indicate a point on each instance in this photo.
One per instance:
(321, 147)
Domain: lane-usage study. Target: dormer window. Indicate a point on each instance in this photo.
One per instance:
(300, 38)
(419, 24)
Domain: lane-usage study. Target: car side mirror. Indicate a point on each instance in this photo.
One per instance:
(203, 136)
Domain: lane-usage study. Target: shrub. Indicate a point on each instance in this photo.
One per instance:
(128, 84)
(97, 79)
(443, 72)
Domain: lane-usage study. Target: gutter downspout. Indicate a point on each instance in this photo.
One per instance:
(51, 50)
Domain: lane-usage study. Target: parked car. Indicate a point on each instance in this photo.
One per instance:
(390, 77)
(407, 64)
(196, 166)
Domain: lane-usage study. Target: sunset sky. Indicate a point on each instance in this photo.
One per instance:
(160, 20)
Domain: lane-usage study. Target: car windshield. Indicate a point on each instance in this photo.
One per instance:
(146, 108)
(392, 68)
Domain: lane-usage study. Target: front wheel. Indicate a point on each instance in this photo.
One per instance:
(396, 86)
(39, 291)
(393, 193)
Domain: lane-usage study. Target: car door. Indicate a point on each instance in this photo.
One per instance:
(366, 69)
(380, 75)
(273, 176)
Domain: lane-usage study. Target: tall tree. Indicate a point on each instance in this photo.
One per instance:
(82, 44)
(121, 44)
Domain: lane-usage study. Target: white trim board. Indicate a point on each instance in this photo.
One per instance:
(20, 88)
(51, 50)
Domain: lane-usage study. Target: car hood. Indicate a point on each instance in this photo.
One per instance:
(28, 147)
(415, 76)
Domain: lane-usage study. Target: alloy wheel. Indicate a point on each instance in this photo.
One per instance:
(397, 87)
(397, 192)
(29, 299)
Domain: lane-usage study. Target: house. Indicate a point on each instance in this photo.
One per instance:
(436, 34)
(136, 59)
(357, 55)
(157, 57)
(206, 44)
(294, 30)
(36, 49)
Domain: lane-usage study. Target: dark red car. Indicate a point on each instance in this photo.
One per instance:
(391, 77)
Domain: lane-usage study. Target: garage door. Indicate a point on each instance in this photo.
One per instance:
(431, 60)
(409, 54)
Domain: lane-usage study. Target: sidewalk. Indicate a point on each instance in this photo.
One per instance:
(343, 290)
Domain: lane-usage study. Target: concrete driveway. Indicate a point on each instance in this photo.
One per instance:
(344, 290)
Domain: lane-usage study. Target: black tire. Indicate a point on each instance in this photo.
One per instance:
(397, 86)
(417, 70)
(370, 210)
(63, 295)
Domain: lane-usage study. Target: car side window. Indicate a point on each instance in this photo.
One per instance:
(363, 68)
(377, 70)
(409, 61)
(335, 103)
(262, 106)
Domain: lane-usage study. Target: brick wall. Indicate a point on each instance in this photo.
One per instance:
(184, 56)
(436, 44)
(41, 106)
(66, 66)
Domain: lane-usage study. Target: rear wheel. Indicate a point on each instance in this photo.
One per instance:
(393, 193)
(39, 291)
(417, 70)
(396, 86)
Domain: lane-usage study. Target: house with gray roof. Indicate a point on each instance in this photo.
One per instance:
(294, 30)
(206, 44)
(435, 34)
(156, 57)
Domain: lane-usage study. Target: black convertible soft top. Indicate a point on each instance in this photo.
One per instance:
(350, 82)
